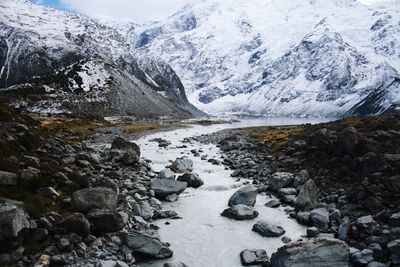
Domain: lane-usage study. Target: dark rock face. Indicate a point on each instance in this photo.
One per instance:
(146, 246)
(308, 197)
(13, 219)
(76, 223)
(165, 187)
(105, 221)
(94, 198)
(314, 252)
(254, 257)
(240, 212)
(267, 229)
(246, 196)
(192, 179)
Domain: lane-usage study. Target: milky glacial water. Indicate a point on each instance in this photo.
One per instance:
(203, 238)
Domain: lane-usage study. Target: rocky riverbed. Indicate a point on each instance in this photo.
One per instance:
(200, 196)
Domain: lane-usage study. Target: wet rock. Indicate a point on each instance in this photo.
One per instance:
(143, 210)
(273, 203)
(105, 221)
(303, 218)
(287, 191)
(394, 220)
(377, 249)
(376, 264)
(76, 223)
(363, 257)
(312, 232)
(145, 245)
(63, 244)
(171, 198)
(124, 151)
(7, 179)
(240, 212)
(164, 214)
(165, 187)
(192, 179)
(286, 240)
(279, 180)
(246, 195)
(308, 197)
(112, 263)
(94, 198)
(344, 229)
(13, 219)
(182, 165)
(320, 218)
(166, 174)
(267, 229)
(327, 252)
(254, 257)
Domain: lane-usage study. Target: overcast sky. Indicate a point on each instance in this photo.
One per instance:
(136, 10)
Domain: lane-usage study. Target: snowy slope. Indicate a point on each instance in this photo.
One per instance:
(281, 57)
(60, 62)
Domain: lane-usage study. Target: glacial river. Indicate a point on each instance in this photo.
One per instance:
(203, 238)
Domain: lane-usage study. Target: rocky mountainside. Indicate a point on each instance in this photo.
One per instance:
(318, 58)
(56, 62)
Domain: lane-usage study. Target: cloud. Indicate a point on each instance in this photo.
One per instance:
(137, 10)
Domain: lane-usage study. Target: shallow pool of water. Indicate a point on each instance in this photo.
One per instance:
(203, 237)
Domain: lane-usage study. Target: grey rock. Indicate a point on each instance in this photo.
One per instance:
(166, 174)
(394, 219)
(63, 244)
(376, 264)
(267, 229)
(394, 246)
(177, 264)
(165, 187)
(192, 179)
(287, 191)
(124, 151)
(327, 252)
(363, 257)
(171, 198)
(254, 257)
(146, 246)
(13, 219)
(273, 203)
(347, 140)
(301, 178)
(48, 192)
(344, 229)
(240, 212)
(76, 223)
(8, 178)
(308, 197)
(312, 232)
(94, 198)
(303, 218)
(143, 210)
(182, 165)
(320, 218)
(246, 195)
(279, 180)
(105, 221)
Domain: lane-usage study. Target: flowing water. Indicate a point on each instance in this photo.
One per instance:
(203, 238)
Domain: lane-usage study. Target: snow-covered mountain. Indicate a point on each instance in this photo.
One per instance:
(282, 57)
(53, 61)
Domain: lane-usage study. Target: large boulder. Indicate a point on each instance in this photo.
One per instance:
(192, 179)
(166, 174)
(327, 252)
(76, 223)
(165, 187)
(279, 180)
(94, 198)
(7, 178)
(246, 195)
(145, 246)
(268, 229)
(254, 257)
(240, 212)
(320, 218)
(125, 152)
(322, 138)
(13, 219)
(308, 196)
(182, 165)
(105, 221)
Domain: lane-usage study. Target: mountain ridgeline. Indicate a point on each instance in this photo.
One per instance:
(288, 57)
(56, 62)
